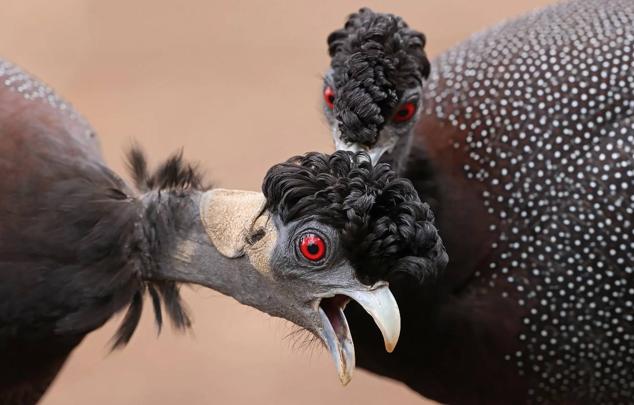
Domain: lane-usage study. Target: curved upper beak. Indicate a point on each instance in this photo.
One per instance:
(378, 302)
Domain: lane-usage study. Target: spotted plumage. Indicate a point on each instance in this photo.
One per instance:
(15, 79)
(525, 150)
(544, 107)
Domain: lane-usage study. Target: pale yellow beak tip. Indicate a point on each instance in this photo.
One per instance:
(345, 379)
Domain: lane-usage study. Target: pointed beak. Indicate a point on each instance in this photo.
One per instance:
(378, 302)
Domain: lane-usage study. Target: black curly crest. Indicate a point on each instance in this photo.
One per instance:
(375, 58)
(384, 227)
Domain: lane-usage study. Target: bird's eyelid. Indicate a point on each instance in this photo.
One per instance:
(327, 77)
(328, 82)
(415, 99)
(303, 231)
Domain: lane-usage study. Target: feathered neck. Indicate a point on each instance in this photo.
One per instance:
(167, 201)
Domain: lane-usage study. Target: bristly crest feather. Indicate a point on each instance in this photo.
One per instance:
(385, 228)
(174, 173)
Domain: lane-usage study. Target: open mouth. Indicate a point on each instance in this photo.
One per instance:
(333, 308)
(337, 335)
(377, 301)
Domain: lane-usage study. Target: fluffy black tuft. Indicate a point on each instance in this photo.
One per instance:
(385, 228)
(174, 173)
(375, 58)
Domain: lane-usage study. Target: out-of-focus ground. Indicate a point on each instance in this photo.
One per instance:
(237, 84)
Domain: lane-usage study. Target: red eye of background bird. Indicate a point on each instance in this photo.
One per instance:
(312, 247)
(405, 112)
(329, 97)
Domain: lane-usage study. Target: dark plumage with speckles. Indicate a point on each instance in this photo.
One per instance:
(542, 109)
(526, 140)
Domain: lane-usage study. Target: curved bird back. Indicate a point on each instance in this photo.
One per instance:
(529, 127)
(65, 220)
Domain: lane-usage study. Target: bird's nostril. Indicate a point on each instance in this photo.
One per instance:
(256, 236)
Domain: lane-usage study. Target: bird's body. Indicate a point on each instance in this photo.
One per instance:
(50, 160)
(525, 149)
(77, 245)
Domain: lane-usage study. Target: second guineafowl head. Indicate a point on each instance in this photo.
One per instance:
(372, 91)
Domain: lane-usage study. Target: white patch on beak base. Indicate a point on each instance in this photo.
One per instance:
(342, 145)
(385, 144)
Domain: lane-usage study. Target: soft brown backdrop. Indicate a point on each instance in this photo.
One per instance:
(237, 84)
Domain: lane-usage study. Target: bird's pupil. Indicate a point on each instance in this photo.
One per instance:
(331, 99)
(313, 249)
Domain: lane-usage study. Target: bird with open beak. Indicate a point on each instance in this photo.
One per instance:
(77, 244)
(327, 229)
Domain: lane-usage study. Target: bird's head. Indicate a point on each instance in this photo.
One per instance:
(372, 91)
(327, 229)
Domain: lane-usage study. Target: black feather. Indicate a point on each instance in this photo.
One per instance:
(172, 176)
(137, 166)
(174, 305)
(156, 304)
(130, 321)
(174, 173)
(74, 240)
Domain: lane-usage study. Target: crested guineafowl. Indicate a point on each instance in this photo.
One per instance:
(78, 245)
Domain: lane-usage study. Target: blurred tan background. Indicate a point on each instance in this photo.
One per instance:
(237, 84)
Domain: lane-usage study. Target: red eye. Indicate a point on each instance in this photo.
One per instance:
(312, 247)
(329, 97)
(405, 112)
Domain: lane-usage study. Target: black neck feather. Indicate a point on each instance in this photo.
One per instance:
(166, 194)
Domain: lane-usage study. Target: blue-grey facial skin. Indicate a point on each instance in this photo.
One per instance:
(395, 138)
(304, 286)
(290, 286)
(255, 258)
(308, 281)
(333, 273)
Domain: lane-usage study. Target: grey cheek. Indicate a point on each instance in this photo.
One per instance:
(283, 262)
(546, 105)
